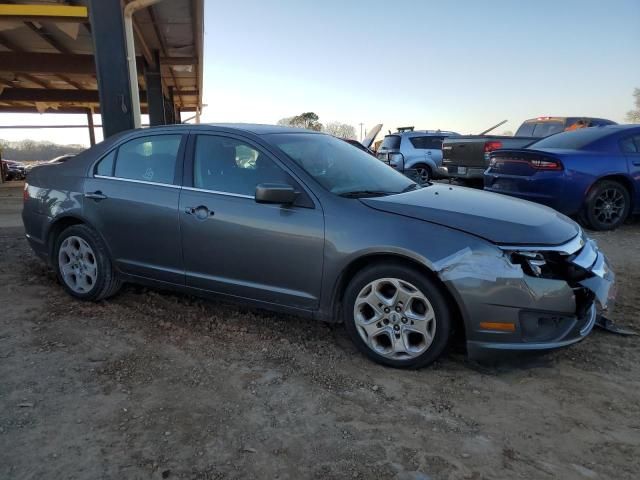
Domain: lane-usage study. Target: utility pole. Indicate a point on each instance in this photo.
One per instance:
(361, 137)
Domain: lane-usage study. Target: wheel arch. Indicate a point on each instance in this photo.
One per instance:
(621, 178)
(62, 223)
(357, 264)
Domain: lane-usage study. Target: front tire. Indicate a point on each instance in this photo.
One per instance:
(397, 316)
(607, 206)
(83, 266)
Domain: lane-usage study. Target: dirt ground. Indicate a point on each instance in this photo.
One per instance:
(157, 385)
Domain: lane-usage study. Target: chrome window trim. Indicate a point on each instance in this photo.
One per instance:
(217, 192)
(569, 248)
(131, 180)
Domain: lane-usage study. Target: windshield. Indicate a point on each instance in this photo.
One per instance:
(575, 140)
(339, 167)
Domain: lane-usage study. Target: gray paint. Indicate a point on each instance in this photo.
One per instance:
(294, 258)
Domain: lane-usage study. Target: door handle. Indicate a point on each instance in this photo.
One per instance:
(201, 212)
(98, 195)
(636, 163)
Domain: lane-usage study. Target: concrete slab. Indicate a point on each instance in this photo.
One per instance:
(11, 205)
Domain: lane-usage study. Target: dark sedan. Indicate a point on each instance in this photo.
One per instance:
(302, 222)
(593, 173)
(13, 170)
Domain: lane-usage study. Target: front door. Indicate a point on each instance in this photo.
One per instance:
(132, 200)
(235, 246)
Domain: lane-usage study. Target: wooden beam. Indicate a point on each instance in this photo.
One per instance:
(163, 46)
(178, 61)
(58, 13)
(146, 52)
(53, 96)
(68, 109)
(47, 36)
(50, 63)
(33, 79)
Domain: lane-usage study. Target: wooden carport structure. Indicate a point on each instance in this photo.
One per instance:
(71, 57)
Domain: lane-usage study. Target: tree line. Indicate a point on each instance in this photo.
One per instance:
(35, 150)
(311, 121)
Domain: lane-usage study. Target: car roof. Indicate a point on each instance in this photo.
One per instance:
(551, 118)
(423, 133)
(255, 128)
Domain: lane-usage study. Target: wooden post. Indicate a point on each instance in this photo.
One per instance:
(92, 133)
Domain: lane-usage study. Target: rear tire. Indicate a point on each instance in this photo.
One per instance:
(83, 266)
(423, 173)
(607, 206)
(397, 316)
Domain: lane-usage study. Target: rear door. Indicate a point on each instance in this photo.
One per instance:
(630, 145)
(235, 246)
(428, 147)
(132, 200)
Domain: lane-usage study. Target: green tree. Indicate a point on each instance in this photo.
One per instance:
(633, 116)
(307, 120)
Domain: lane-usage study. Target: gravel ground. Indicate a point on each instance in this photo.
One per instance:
(156, 385)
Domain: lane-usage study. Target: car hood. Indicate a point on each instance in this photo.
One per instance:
(500, 219)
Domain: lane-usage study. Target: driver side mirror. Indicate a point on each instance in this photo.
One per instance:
(275, 193)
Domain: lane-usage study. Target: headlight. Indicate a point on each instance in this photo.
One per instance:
(531, 262)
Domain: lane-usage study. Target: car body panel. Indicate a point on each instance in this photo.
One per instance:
(298, 258)
(487, 216)
(140, 224)
(565, 190)
(465, 157)
(265, 238)
(414, 156)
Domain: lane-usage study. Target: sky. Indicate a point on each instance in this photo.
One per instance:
(460, 65)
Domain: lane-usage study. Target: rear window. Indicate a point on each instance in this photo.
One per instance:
(427, 143)
(540, 129)
(576, 140)
(390, 142)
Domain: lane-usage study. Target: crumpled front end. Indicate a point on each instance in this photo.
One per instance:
(529, 297)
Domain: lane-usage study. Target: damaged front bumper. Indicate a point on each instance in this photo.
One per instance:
(529, 298)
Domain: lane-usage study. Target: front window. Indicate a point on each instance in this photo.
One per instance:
(339, 167)
(227, 165)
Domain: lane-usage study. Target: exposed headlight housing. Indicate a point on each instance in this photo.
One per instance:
(531, 262)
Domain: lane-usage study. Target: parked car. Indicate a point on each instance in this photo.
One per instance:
(53, 161)
(592, 173)
(418, 153)
(13, 170)
(467, 157)
(316, 228)
(358, 145)
(365, 144)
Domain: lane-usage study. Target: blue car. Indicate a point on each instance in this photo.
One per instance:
(593, 173)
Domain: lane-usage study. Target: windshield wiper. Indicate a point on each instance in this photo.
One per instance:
(365, 193)
(410, 187)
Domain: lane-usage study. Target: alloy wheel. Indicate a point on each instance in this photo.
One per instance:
(609, 206)
(394, 318)
(78, 264)
(423, 175)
